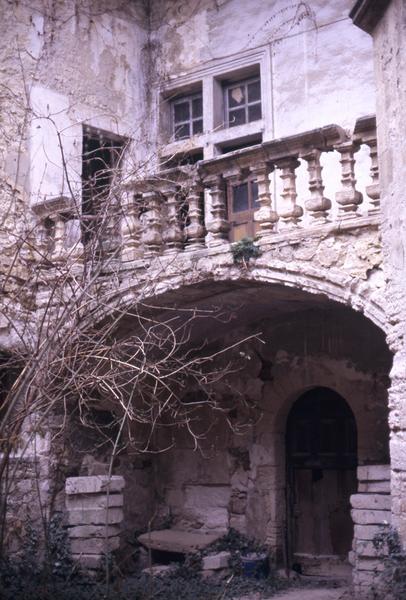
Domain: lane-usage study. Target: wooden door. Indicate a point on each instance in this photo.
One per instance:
(322, 460)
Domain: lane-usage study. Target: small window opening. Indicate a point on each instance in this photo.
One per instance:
(187, 116)
(102, 152)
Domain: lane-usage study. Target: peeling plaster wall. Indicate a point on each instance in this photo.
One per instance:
(239, 480)
(70, 63)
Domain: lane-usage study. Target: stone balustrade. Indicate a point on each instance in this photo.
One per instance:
(187, 208)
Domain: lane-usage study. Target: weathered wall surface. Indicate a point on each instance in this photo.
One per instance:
(390, 57)
(320, 66)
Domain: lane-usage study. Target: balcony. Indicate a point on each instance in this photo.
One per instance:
(305, 211)
(188, 209)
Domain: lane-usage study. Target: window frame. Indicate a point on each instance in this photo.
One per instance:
(240, 83)
(180, 100)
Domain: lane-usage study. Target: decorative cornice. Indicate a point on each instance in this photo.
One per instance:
(366, 14)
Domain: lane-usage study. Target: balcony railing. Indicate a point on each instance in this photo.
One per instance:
(190, 208)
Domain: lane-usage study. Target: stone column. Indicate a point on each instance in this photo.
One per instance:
(348, 197)
(265, 216)
(317, 205)
(95, 512)
(290, 213)
(195, 230)
(219, 225)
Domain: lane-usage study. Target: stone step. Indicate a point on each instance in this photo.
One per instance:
(176, 540)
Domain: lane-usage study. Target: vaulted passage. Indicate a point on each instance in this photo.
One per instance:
(321, 476)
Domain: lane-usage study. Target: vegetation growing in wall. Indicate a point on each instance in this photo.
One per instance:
(244, 250)
(393, 578)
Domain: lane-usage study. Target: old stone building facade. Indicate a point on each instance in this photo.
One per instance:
(144, 144)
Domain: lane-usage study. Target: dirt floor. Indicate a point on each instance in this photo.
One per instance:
(341, 593)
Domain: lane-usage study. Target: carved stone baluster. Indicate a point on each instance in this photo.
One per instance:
(59, 237)
(290, 213)
(348, 197)
(130, 229)
(265, 216)
(195, 230)
(218, 226)
(172, 234)
(152, 233)
(373, 190)
(317, 205)
(73, 239)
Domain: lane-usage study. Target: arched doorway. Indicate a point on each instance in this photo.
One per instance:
(321, 441)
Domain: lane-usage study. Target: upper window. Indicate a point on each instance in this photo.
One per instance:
(187, 116)
(243, 102)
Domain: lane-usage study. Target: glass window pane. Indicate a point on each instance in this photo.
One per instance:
(181, 111)
(182, 131)
(240, 197)
(236, 96)
(236, 117)
(198, 126)
(254, 112)
(254, 194)
(197, 107)
(254, 91)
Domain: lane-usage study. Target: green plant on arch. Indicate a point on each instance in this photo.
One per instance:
(244, 250)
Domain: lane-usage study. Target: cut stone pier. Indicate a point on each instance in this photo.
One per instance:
(95, 511)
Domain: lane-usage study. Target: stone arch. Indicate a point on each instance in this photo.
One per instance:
(362, 295)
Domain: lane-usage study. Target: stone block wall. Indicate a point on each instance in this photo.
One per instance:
(371, 513)
(94, 512)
